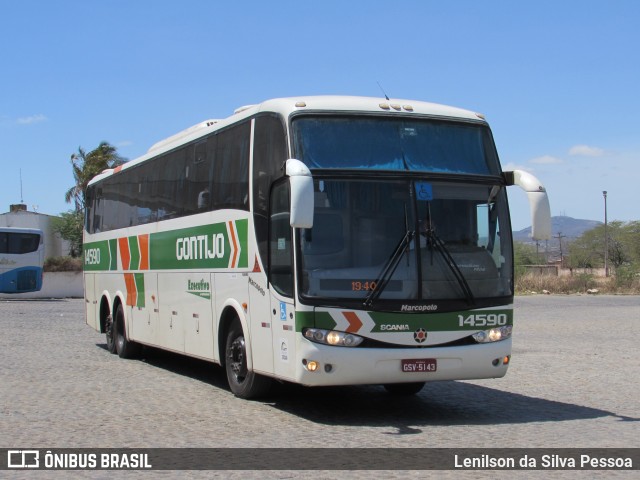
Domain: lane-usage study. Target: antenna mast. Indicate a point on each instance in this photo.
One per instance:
(21, 196)
(383, 92)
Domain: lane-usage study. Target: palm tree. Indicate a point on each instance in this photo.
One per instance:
(88, 165)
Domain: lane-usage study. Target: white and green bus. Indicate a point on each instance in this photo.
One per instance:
(315, 240)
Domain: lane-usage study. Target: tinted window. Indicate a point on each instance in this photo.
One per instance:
(231, 177)
(395, 144)
(269, 155)
(280, 262)
(211, 173)
(19, 243)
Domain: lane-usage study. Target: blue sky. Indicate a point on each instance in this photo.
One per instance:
(559, 81)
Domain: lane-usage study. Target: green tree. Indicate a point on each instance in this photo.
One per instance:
(631, 238)
(85, 167)
(587, 251)
(524, 254)
(69, 226)
(88, 165)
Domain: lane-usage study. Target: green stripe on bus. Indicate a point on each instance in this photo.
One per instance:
(134, 251)
(96, 256)
(432, 322)
(242, 227)
(442, 322)
(139, 279)
(205, 246)
(314, 319)
(113, 254)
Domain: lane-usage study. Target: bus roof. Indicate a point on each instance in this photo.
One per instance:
(287, 106)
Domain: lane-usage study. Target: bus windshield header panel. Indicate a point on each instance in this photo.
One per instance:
(400, 144)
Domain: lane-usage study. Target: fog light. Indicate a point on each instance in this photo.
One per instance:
(312, 366)
(506, 360)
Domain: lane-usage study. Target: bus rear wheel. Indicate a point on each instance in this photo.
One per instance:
(244, 383)
(404, 388)
(125, 347)
(110, 334)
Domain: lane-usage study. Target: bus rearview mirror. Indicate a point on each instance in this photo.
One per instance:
(538, 202)
(301, 183)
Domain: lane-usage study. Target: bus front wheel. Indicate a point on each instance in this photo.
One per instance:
(244, 383)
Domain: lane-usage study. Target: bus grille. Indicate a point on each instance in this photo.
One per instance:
(27, 280)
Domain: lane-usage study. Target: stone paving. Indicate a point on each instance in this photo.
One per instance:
(573, 382)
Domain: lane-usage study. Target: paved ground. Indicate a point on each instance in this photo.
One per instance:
(573, 382)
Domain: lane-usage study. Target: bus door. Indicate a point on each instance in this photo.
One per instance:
(283, 331)
(281, 276)
(261, 319)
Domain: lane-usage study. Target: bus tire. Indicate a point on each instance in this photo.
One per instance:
(125, 347)
(244, 383)
(110, 334)
(404, 388)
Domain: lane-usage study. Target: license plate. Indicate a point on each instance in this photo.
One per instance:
(420, 365)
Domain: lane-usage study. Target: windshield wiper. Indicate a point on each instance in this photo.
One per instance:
(493, 216)
(437, 244)
(387, 271)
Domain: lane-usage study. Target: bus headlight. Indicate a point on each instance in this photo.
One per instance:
(493, 335)
(332, 337)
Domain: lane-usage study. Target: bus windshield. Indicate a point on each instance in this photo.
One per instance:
(406, 240)
(422, 145)
(18, 243)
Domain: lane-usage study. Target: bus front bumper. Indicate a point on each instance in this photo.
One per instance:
(323, 365)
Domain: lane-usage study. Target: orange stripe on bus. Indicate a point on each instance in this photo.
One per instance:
(143, 241)
(125, 254)
(354, 322)
(132, 293)
(235, 245)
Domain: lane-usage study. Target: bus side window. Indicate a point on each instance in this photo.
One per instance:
(280, 258)
(231, 184)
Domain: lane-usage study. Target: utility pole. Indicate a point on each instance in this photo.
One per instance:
(606, 237)
(560, 237)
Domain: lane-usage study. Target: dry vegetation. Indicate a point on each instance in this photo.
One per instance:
(622, 284)
(63, 264)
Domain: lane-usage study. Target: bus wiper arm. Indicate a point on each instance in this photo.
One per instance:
(387, 271)
(451, 263)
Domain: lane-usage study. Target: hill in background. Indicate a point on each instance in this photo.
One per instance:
(569, 228)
